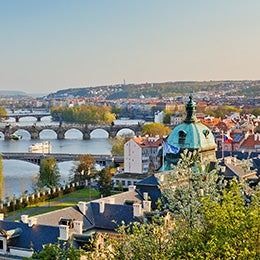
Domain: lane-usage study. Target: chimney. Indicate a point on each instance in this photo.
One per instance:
(64, 232)
(137, 210)
(101, 206)
(32, 221)
(24, 219)
(145, 195)
(131, 187)
(78, 226)
(82, 207)
(147, 205)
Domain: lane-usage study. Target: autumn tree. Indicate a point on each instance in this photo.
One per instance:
(156, 128)
(118, 145)
(49, 174)
(84, 164)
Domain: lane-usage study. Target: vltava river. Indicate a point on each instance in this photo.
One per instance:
(19, 176)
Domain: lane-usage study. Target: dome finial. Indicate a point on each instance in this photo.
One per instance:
(190, 110)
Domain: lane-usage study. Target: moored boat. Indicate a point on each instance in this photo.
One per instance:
(15, 137)
(43, 147)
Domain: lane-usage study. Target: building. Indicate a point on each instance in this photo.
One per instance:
(140, 154)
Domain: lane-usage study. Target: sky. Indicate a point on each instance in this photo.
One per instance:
(49, 45)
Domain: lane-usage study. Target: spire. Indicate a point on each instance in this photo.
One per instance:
(190, 111)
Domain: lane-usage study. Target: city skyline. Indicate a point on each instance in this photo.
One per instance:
(51, 45)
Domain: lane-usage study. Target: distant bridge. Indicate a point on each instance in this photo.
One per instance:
(36, 158)
(17, 116)
(60, 130)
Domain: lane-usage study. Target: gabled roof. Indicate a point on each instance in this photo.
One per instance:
(251, 142)
(37, 235)
(112, 216)
(52, 218)
(144, 141)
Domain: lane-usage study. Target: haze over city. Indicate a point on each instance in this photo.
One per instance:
(51, 45)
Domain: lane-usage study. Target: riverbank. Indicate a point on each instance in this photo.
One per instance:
(67, 200)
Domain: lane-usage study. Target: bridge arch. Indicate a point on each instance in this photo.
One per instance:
(48, 134)
(126, 132)
(73, 133)
(99, 133)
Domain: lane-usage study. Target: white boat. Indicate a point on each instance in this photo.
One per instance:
(44, 147)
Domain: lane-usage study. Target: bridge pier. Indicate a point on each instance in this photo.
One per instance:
(86, 136)
(17, 119)
(39, 118)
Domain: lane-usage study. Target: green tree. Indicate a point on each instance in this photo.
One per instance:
(105, 182)
(49, 173)
(1, 180)
(59, 252)
(167, 117)
(206, 220)
(155, 128)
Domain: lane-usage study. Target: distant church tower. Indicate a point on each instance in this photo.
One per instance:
(191, 135)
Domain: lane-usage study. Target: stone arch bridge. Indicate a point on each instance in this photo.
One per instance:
(60, 130)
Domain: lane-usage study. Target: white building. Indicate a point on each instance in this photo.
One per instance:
(140, 153)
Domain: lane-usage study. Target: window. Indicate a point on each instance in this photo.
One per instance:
(1, 244)
(182, 137)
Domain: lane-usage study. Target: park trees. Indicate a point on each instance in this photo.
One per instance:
(49, 175)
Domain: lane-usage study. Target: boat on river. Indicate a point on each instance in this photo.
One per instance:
(43, 147)
(15, 137)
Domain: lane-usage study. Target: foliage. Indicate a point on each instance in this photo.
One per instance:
(156, 128)
(222, 111)
(207, 220)
(59, 252)
(1, 180)
(118, 145)
(49, 173)
(105, 182)
(84, 164)
(3, 111)
(167, 117)
(83, 114)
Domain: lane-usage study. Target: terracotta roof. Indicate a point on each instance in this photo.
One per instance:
(251, 141)
(148, 141)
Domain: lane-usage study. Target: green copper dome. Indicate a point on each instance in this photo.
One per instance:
(192, 134)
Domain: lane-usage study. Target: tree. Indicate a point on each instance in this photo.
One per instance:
(105, 182)
(1, 180)
(85, 163)
(156, 128)
(49, 173)
(3, 111)
(205, 220)
(59, 252)
(118, 145)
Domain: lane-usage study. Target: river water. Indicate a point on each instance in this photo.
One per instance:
(19, 176)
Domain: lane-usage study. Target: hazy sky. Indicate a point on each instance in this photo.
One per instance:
(47, 45)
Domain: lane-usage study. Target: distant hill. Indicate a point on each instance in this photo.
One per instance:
(163, 89)
(12, 93)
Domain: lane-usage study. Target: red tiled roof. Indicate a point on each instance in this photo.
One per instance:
(251, 141)
(148, 141)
